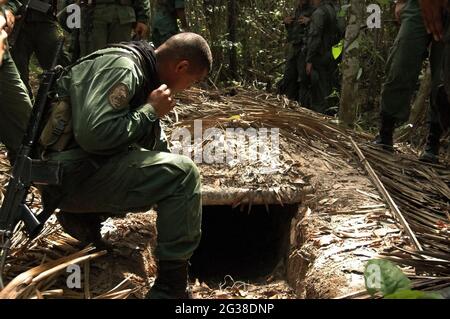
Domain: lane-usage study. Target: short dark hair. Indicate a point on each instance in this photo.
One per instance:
(188, 46)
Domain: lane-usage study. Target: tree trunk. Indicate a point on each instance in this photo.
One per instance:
(232, 37)
(350, 65)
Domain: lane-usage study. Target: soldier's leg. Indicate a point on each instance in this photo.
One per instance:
(431, 152)
(161, 35)
(156, 37)
(303, 82)
(46, 43)
(446, 60)
(138, 180)
(320, 89)
(119, 32)
(402, 71)
(290, 78)
(15, 106)
(404, 64)
(94, 31)
(21, 53)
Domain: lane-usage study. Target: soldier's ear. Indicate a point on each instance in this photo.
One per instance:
(182, 66)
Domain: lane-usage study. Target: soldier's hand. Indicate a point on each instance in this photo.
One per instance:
(304, 20)
(309, 69)
(288, 20)
(10, 21)
(399, 6)
(141, 30)
(161, 100)
(432, 12)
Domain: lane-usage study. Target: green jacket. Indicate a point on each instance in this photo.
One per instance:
(297, 33)
(100, 91)
(322, 27)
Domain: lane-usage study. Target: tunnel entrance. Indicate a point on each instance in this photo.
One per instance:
(245, 245)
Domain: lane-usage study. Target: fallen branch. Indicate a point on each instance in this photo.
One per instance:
(387, 197)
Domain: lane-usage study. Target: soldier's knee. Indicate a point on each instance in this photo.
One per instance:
(191, 174)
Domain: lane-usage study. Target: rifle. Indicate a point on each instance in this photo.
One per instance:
(27, 171)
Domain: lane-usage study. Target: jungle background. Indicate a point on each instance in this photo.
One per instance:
(248, 41)
(339, 227)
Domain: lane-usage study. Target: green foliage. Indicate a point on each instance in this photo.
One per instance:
(337, 50)
(261, 38)
(383, 276)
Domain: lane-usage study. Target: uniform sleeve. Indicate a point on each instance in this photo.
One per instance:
(102, 118)
(315, 35)
(142, 10)
(179, 4)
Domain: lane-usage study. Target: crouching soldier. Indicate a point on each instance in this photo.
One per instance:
(111, 148)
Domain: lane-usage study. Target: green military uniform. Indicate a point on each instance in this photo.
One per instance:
(322, 28)
(15, 106)
(443, 98)
(39, 35)
(132, 169)
(164, 24)
(405, 64)
(403, 68)
(295, 82)
(109, 21)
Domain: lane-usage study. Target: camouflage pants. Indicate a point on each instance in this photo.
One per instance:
(39, 38)
(105, 24)
(136, 181)
(163, 28)
(15, 106)
(447, 60)
(405, 64)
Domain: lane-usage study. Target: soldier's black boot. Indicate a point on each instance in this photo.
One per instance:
(385, 138)
(431, 152)
(84, 227)
(172, 281)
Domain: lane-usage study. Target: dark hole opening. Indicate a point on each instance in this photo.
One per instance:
(245, 245)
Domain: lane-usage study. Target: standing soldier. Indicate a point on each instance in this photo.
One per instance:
(297, 31)
(434, 13)
(15, 104)
(319, 60)
(38, 33)
(404, 65)
(165, 21)
(111, 21)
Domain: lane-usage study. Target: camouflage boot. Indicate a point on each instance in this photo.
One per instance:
(172, 281)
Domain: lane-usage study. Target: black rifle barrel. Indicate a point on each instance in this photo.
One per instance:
(14, 208)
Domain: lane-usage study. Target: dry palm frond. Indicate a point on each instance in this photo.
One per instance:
(420, 191)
